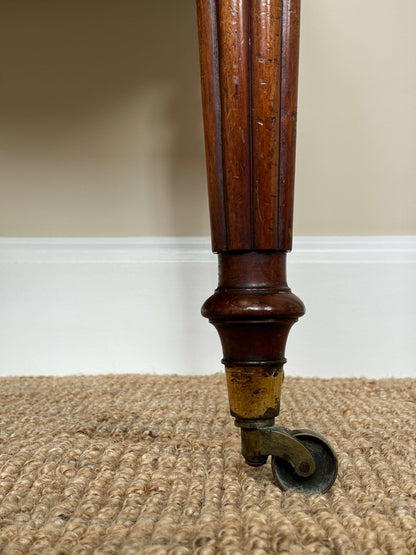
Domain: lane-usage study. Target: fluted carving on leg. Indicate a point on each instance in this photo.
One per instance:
(249, 52)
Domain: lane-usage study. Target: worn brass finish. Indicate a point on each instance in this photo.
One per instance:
(254, 391)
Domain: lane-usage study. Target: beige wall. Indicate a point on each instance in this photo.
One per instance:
(100, 119)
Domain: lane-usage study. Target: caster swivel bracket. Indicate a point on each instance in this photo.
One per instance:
(302, 460)
(279, 442)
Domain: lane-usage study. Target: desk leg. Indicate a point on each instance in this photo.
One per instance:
(249, 67)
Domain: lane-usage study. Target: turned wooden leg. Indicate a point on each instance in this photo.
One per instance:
(249, 67)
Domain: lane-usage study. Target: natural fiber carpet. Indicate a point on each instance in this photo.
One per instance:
(151, 464)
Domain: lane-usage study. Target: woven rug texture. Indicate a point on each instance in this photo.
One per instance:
(145, 464)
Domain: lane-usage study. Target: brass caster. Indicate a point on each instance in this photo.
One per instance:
(326, 466)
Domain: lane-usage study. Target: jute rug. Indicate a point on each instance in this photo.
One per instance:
(151, 464)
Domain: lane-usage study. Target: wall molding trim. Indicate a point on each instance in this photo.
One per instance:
(147, 250)
(119, 305)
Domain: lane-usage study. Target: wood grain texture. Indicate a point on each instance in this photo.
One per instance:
(288, 106)
(265, 114)
(209, 64)
(249, 52)
(234, 33)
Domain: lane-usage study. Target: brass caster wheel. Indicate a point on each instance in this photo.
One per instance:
(325, 460)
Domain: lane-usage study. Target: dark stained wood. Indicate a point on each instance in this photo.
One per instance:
(265, 113)
(253, 308)
(209, 63)
(249, 57)
(289, 93)
(234, 47)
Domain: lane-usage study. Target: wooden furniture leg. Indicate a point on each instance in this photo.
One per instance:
(249, 66)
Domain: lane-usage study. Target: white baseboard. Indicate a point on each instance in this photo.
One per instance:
(145, 250)
(111, 305)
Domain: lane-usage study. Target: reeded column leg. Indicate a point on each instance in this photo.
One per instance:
(249, 66)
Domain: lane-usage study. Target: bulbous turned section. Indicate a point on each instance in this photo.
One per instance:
(253, 310)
